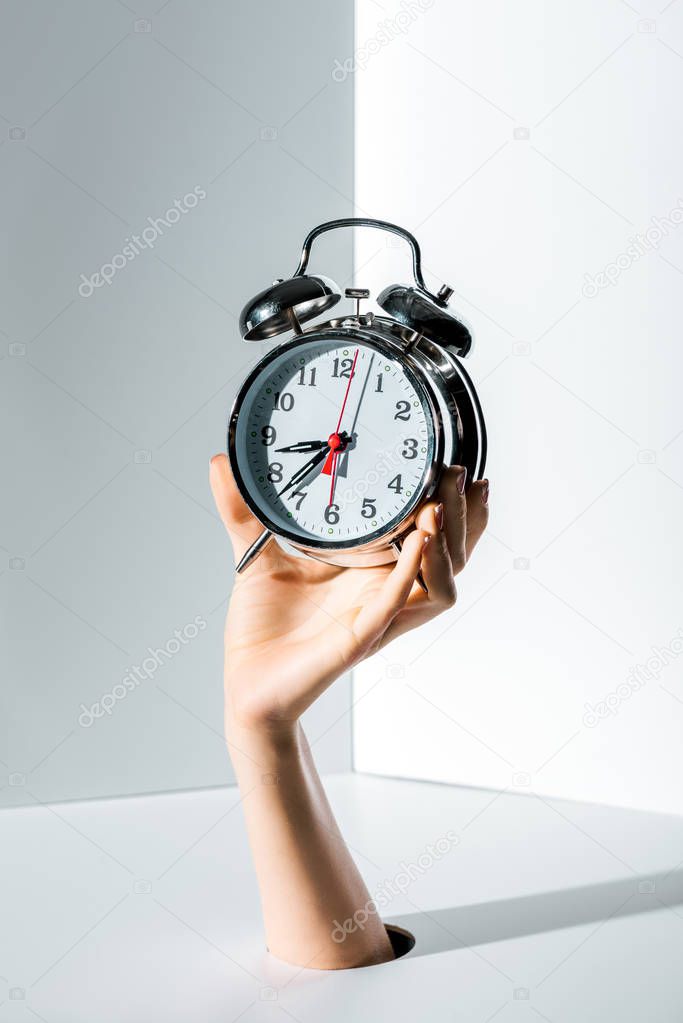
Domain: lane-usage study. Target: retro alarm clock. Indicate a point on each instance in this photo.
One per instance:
(343, 430)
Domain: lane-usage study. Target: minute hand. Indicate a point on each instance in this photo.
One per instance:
(304, 470)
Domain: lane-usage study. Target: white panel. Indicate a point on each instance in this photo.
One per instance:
(529, 147)
(563, 907)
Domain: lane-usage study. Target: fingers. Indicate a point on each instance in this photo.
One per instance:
(241, 525)
(477, 514)
(452, 493)
(464, 522)
(437, 569)
(437, 572)
(376, 616)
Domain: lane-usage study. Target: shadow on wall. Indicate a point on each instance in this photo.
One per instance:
(443, 930)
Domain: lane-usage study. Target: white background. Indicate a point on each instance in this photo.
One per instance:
(525, 145)
(581, 394)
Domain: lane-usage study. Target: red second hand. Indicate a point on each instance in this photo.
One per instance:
(331, 460)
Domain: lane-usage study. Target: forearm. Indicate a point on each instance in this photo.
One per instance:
(307, 878)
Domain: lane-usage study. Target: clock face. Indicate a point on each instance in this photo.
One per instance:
(332, 441)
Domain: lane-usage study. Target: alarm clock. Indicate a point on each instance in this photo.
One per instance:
(343, 430)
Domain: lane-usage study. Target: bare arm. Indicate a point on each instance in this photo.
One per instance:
(293, 627)
(309, 883)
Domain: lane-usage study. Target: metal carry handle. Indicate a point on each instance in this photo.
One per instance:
(381, 225)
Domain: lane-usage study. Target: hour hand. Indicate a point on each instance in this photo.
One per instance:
(305, 445)
(304, 470)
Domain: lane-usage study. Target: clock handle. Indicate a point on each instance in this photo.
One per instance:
(382, 225)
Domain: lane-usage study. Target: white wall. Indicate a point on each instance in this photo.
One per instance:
(526, 145)
(111, 404)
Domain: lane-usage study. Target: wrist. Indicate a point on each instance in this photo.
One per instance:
(264, 745)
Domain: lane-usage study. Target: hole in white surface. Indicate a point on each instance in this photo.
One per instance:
(402, 941)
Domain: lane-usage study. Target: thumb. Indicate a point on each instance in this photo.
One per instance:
(242, 527)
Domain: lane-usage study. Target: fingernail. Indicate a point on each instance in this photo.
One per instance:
(485, 491)
(461, 480)
(426, 540)
(438, 516)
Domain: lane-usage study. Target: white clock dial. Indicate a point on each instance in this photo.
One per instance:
(333, 441)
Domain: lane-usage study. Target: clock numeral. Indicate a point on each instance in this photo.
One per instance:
(302, 377)
(275, 472)
(268, 435)
(284, 402)
(332, 514)
(410, 449)
(342, 367)
(396, 484)
(369, 507)
(300, 494)
(380, 378)
(402, 410)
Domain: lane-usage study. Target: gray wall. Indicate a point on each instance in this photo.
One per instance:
(114, 398)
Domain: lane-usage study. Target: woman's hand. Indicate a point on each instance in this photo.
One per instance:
(295, 625)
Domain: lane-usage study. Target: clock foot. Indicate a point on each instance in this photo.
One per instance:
(253, 552)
